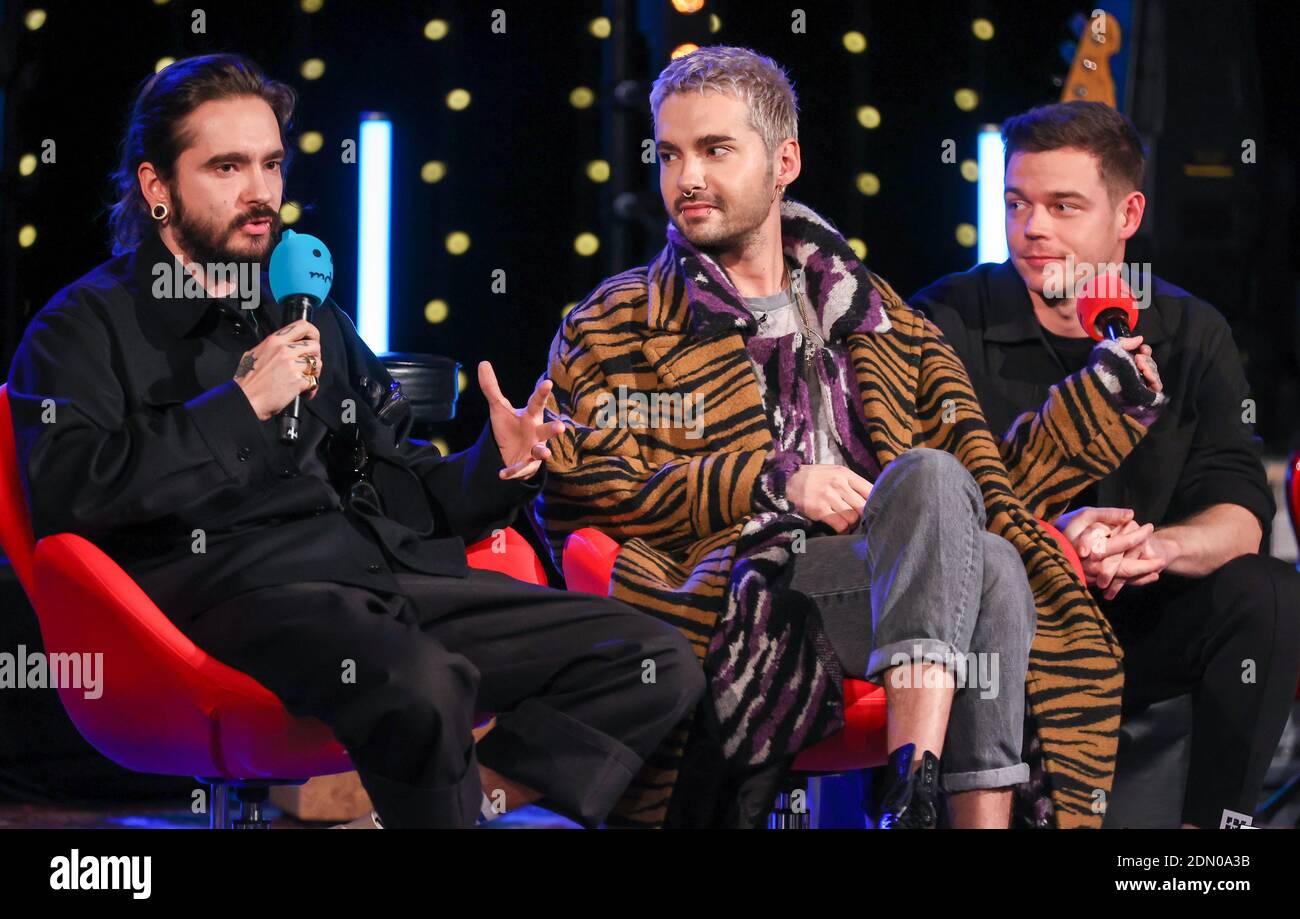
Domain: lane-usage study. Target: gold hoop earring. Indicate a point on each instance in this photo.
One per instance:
(158, 211)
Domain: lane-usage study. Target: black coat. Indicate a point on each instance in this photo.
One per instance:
(132, 433)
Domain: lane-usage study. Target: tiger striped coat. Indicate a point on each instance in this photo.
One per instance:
(677, 498)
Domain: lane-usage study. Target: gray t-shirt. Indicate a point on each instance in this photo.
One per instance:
(778, 315)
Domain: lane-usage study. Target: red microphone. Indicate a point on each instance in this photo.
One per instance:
(1107, 317)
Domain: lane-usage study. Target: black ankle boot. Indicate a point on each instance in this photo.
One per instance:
(910, 800)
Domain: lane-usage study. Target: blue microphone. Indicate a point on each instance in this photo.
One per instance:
(301, 273)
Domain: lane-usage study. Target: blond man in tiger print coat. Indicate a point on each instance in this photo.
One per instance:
(690, 504)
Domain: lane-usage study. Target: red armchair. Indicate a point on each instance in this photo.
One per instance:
(167, 707)
(1291, 492)
(588, 564)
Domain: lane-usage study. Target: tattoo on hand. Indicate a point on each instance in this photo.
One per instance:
(245, 366)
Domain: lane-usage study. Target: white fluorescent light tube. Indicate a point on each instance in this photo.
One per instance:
(374, 213)
(992, 226)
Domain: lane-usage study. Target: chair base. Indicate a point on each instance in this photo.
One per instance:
(792, 809)
(249, 795)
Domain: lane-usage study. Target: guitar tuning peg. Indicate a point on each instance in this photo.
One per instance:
(1078, 22)
(1067, 51)
(1058, 81)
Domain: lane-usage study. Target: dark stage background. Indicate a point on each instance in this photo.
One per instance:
(515, 166)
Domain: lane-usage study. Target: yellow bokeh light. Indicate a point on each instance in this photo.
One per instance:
(441, 444)
(27, 164)
(966, 234)
(34, 19)
(311, 6)
(582, 97)
(163, 63)
(970, 170)
(27, 236)
(868, 116)
(966, 99)
(715, 23)
(290, 211)
(855, 42)
(458, 100)
(683, 50)
(435, 29)
(859, 247)
(433, 171)
(599, 27)
(311, 142)
(458, 242)
(568, 308)
(312, 69)
(462, 381)
(688, 6)
(598, 171)
(435, 311)
(868, 183)
(586, 243)
(982, 28)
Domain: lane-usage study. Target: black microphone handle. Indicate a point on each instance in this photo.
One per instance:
(296, 306)
(1113, 324)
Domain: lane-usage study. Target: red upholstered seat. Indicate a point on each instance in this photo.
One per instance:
(166, 706)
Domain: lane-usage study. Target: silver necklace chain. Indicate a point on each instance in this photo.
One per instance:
(809, 333)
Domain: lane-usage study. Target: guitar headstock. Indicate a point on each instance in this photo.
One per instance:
(1090, 78)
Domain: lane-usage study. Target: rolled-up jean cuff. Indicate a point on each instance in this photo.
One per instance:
(1004, 777)
(909, 650)
(580, 772)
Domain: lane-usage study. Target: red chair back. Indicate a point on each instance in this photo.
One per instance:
(509, 553)
(15, 521)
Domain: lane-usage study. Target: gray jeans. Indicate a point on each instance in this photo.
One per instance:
(922, 580)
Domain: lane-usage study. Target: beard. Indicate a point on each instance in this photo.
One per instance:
(733, 226)
(206, 243)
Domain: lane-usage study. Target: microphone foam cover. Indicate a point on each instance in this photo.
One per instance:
(301, 264)
(1091, 304)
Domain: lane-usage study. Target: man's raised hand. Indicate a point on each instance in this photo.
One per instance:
(521, 434)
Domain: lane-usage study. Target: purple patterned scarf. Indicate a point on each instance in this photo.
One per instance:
(774, 680)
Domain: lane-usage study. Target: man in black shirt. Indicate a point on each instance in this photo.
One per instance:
(145, 416)
(1170, 539)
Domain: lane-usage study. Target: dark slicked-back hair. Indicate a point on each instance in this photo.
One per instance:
(154, 132)
(1090, 126)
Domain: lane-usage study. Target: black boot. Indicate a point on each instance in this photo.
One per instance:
(910, 800)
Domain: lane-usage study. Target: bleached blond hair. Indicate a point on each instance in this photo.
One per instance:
(755, 79)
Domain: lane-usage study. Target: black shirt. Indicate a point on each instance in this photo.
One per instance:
(1070, 353)
(1200, 451)
(132, 433)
